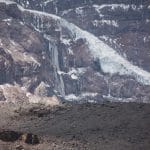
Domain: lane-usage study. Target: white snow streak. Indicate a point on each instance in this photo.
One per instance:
(6, 1)
(105, 22)
(124, 7)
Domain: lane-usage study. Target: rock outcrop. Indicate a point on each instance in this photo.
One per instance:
(45, 55)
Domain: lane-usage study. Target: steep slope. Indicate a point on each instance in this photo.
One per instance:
(110, 61)
(124, 25)
(25, 66)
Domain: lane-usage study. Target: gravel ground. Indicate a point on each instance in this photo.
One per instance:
(107, 126)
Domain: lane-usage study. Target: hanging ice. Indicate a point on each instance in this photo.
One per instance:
(59, 83)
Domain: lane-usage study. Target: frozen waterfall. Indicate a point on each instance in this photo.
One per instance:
(111, 61)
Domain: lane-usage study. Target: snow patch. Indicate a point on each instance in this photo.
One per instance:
(70, 51)
(146, 39)
(74, 73)
(22, 23)
(79, 10)
(6, 1)
(65, 12)
(7, 20)
(147, 20)
(105, 22)
(71, 97)
(65, 41)
(116, 99)
(74, 76)
(89, 95)
(1, 44)
(113, 7)
(48, 1)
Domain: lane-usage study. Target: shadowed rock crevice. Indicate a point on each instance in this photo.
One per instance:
(9, 136)
(12, 136)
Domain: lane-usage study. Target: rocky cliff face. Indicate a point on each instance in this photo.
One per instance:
(121, 24)
(103, 54)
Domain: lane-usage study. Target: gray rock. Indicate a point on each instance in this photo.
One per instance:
(2, 97)
(44, 90)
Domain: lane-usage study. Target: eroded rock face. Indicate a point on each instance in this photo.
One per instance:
(6, 67)
(45, 58)
(44, 90)
(24, 58)
(124, 25)
(123, 87)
